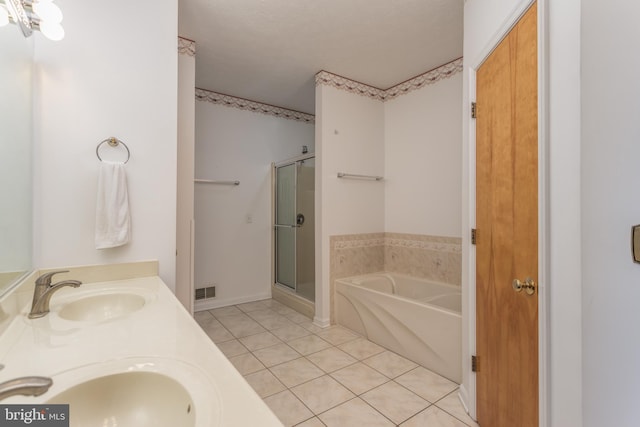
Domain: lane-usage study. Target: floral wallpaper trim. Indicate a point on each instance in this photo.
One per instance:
(339, 82)
(186, 47)
(430, 77)
(257, 107)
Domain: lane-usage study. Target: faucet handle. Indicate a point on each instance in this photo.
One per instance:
(45, 279)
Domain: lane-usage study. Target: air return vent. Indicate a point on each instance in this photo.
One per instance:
(205, 293)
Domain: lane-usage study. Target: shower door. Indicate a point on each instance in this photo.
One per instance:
(295, 226)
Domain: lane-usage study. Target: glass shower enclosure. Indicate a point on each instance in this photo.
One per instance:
(295, 225)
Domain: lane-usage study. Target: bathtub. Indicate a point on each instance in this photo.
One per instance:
(418, 319)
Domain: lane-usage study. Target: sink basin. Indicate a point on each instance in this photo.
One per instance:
(129, 399)
(141, 391)
(102, 307)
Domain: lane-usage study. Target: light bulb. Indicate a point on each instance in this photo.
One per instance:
(4, 16)
(48, 12)
(52, 31)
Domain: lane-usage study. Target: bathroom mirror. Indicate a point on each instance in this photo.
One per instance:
(16, 77)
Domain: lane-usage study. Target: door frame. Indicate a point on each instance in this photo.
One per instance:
(468, 395)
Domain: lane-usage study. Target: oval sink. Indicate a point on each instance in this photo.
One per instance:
(102, 307)
(144, 391)
(129, 399)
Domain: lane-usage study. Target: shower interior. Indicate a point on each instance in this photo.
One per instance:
(294, 226)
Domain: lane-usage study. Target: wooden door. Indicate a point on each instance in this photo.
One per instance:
(507, 230)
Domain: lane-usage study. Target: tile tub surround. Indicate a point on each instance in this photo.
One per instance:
(436, 258)
(159, 337)
(336, 378)
(353, 255)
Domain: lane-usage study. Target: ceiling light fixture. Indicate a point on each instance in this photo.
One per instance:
(30, 15)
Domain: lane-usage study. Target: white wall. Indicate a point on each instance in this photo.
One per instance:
(610, 206)
(423, 131)
(350, 139)
(185, 174)
(114, 74)
(561, 171)
(233, 144)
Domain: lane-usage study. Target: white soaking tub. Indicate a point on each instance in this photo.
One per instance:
(416, 318)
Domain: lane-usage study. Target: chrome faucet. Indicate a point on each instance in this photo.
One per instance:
(43, 291)
(25, 386)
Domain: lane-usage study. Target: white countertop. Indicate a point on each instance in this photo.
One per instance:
(159, 337)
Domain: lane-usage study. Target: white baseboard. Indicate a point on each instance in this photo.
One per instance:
(463, 396)
(212, 303)
(323, 323)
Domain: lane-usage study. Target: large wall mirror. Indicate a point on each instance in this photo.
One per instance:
(16, 126)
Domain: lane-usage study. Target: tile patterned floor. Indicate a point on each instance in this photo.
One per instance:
(314, 377)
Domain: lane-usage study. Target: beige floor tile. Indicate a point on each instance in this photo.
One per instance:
(253, 306)
(246, 363)
(271, 303)
(433, 417)
(451, 404)
(261, 340)
(296, 317)
(225, 311)
(264, 383)
(232, 348)
(275, 322)
(395, 402)
(296, 372)
(288, 408)
(331, 359)
(311, 327)
(427, 384)
(276, 354)
(361, 348)
(359, 378)
(215, 330)
(283, 309)
(313, 422)
(241, 325)
(354, 413)
(337, 335)
(390, 364)
(322, 394)
(309, 344)
(202, 315)
(290, 332)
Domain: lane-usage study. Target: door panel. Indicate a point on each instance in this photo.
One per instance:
(507, 229)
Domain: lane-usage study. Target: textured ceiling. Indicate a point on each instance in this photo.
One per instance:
(270, 50)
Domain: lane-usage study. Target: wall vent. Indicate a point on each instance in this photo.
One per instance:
(205, 293)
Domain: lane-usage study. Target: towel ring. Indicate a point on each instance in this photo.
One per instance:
(113, 141)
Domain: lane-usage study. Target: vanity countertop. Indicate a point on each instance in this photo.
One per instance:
(161, 336)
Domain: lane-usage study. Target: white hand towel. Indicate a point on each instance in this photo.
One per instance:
(113, 222)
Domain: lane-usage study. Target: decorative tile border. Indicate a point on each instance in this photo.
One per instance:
(430, 77)
(353, 244)
(186, 47)
(256, 107)
(429, 243)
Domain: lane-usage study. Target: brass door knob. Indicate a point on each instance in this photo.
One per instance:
(529, 285)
